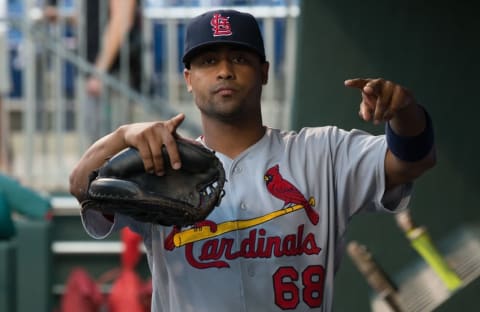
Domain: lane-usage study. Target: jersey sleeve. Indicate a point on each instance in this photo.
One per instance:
(98, 227)
(359, 165)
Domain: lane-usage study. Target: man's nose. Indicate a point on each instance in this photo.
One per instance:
(225, 70)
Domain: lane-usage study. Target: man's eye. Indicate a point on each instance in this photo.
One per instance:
(239, 59)
(208, 61)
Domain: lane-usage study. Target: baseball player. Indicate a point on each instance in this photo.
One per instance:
(275, 241)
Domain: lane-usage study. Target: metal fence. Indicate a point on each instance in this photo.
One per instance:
(45, 119)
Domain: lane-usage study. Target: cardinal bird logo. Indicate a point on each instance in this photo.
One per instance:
(286, 191)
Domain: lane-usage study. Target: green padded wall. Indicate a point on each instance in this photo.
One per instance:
(34, 258)
(7, 276)
(432, 48)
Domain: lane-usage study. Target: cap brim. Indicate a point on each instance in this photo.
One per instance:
(187, 57)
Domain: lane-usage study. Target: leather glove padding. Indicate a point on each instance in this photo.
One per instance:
(179, 197)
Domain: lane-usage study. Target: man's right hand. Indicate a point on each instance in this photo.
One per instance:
(94, 86)
(149, 137)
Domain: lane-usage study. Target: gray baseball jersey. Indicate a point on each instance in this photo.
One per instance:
(276, 239)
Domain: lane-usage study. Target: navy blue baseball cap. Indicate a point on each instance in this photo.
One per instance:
(223, 27)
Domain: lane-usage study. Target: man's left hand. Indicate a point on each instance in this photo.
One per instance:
(381, 99)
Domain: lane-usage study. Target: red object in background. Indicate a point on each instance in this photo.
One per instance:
(126, 293)
(81, 293)
(131, 248)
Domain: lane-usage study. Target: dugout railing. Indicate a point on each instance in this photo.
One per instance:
(43, 113)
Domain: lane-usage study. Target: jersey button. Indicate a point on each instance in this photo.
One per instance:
(237, 170)
(243, 206)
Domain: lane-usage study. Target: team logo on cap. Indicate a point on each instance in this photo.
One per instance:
(220, 25)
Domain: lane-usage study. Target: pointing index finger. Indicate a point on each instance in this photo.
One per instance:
(356, 83)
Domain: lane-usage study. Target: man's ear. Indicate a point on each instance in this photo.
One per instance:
(265, 67)
(186, 76)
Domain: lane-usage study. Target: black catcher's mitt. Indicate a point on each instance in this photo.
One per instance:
(179, 197)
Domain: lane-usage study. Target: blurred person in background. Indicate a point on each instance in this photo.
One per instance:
(18, 198)
(104, 46)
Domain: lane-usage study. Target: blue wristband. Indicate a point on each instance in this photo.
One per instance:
(411, 148)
